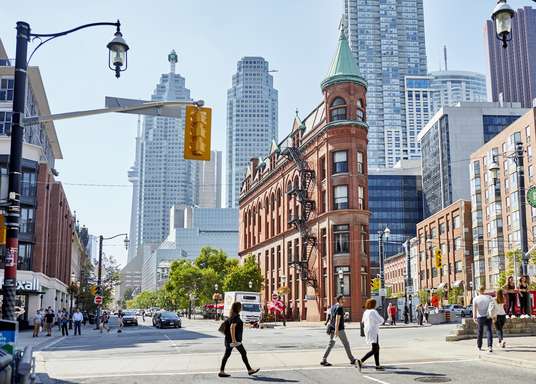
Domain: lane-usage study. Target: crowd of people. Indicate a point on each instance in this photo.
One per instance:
(45, 320)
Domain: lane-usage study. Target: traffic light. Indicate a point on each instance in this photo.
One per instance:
(2, 230)
(197, 133)
(93, 290)
(438, 259)
(375, 284)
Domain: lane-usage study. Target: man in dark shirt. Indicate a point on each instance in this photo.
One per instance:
(336, 329)
(49, 321)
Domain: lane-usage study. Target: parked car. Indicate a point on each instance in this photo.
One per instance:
(167, 319)
(467, 311)
(130, 318)
(456, 309)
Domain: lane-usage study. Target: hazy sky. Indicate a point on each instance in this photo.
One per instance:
(297, 37)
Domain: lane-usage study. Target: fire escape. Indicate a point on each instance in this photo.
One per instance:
(300, 219)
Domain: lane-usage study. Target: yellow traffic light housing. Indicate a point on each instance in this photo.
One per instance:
(197, 133)
(3, 230)
(375, 284)
(438, 259)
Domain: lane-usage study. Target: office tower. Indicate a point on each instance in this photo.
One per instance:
(251, 120)
(447, 142)
(134, 178)
(419, 110)
(513, 70)
(452, 87)
(165, 178)
(387, 40)
(209, 181)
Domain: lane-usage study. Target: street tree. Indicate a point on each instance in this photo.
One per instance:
(240, 276)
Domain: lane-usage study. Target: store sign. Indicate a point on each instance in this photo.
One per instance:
(8, 336)
(27, 285)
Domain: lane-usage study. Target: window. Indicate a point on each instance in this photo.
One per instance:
(340, 162)
(340, 197)
(456, 222)
(323, 202)
(338, 109)
(322, 168)
(26, 220)
(343, 286)
(458, 266)
(457, 243)
(5, 123)
(6, 89)
(341, 239)
(324, 242)
(289, 252)
(24, 260)
(360, 112)
(360, 197)
(359, 162)
(442, 228)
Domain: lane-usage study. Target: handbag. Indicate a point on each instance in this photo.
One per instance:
(221, 328)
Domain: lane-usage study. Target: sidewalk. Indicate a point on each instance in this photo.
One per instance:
(348, 325)
(25, 338)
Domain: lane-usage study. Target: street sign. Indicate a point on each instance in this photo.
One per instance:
(531, 196)
(383, 292)
(410, 290)
(98, 300)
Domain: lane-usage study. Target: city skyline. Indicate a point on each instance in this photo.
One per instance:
(113, 135)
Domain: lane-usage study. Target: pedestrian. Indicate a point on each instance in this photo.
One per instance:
(234, 328)
(392, 310)
(372, 321)
(510, 289)
(501, 316)
(483, 308)
(143, 316)
(64, 321)
(420, 314)
(120, 318)
(524, 298)
(406, 314)
(104, 322)
(335, 329)
(49, 321)
(37, 322)
(77, 318)
(427, 314)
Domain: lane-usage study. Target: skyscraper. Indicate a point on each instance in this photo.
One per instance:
(251, 120)
(134, 178)
(165, 178)
(513, 70)
(452, 87)
(209, 181)
(387, 39)
(419, 109)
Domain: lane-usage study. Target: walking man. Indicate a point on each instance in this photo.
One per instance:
(77, 318)
(483, 318)
(336, 329)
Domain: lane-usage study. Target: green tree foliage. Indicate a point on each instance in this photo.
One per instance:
(509, 266)
(424, 296)
(143, 300)
(240, 276)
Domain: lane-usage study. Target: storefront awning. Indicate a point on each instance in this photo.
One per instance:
(457, 284)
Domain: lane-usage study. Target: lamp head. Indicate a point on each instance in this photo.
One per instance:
(117, 53)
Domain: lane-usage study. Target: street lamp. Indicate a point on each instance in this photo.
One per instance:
(383, 236)
(341, 281)
(117, 47)
(502, 17)
(99, 271)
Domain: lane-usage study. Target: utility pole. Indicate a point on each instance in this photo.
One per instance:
(522, 207)
(409, 280)
(99, 282)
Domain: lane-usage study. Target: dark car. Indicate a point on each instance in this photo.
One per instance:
(130, 318)
(167, 319)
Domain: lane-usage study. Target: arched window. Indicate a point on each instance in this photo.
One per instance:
(360, 112)
(337, 110)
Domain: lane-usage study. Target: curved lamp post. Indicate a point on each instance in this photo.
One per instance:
(502, 17)
(117, 59)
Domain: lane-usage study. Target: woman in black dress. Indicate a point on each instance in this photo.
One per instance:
(524, 299)
(510, 289)
(234, 328)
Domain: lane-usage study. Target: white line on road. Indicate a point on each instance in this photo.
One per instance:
(376, 380)
(52, 343)
(283, 369)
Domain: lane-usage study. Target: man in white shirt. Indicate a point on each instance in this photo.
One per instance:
(77, 318)
(481, 305)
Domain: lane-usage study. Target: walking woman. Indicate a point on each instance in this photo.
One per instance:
(372, 320)
(420, 314)
(234, 328)
(510, 289)
(501, 316)
(524, 299)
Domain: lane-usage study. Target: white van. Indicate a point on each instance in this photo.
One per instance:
(251, 305)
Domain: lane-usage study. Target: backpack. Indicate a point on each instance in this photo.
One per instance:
(492, 309)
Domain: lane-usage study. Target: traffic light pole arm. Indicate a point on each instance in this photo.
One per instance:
(91, 112)
(113, 237)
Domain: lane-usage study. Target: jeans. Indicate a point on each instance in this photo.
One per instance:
(375, 351)
(511, 304)
(484, 322)
(64, 329)
(524, 301)
(344, 340)
(228, 350)
(77, 327)
(499, 324)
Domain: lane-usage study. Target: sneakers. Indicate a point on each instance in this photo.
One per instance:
(325, 364)
(503, 344)
(223, 374)
(380, 368)
(253, 371)
(490, 349)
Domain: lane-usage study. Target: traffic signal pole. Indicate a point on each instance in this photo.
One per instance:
(99, 281)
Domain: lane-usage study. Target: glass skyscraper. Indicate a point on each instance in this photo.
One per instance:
(164, 178)
(387, 39)
(451, 87)
(251, 120)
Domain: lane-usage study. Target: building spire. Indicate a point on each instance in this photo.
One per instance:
(172, 58)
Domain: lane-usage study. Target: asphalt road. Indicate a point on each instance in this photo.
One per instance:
(285, 355)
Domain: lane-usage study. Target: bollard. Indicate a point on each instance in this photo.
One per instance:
(24, 366)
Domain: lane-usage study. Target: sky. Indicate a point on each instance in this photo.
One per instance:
(297, 37)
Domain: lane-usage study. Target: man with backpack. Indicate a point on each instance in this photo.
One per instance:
(483, 312)
(335, 328)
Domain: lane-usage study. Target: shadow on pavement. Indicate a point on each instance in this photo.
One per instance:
(46, 379)
(268, 379)
(409, 372)
(92, 340)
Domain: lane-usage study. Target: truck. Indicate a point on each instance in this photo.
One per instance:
(251, 305)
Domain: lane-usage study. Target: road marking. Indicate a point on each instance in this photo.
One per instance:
(283, 369)
(376, 380)
(52, 343)
(171, 341)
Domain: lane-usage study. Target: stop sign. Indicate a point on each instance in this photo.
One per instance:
(98, 300)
